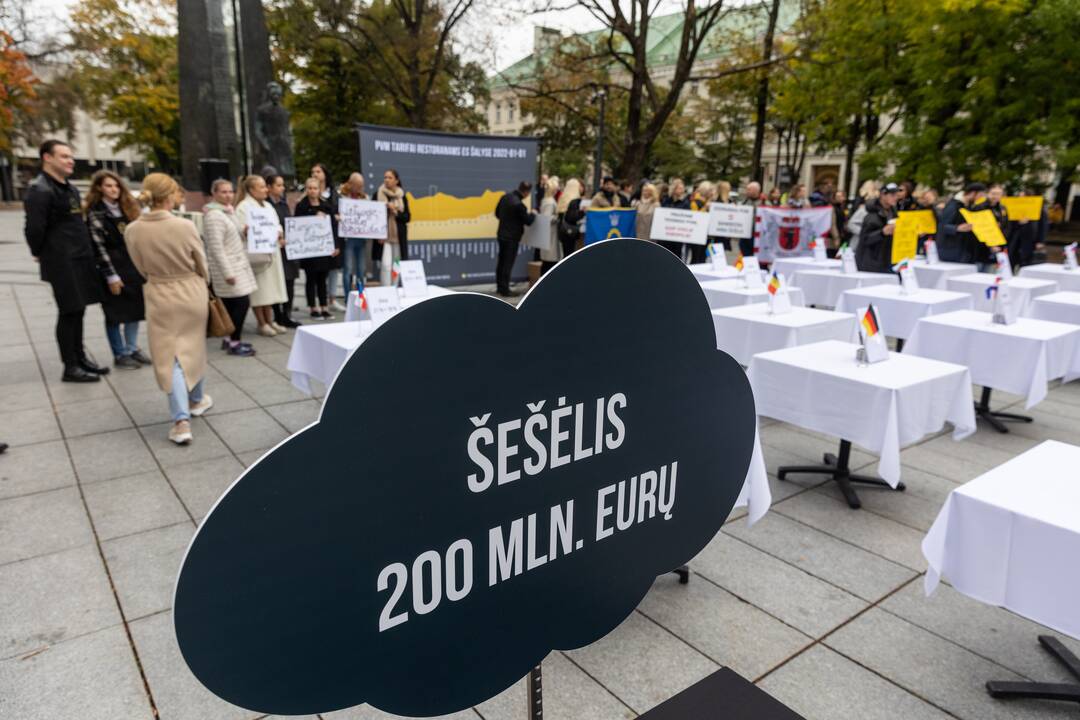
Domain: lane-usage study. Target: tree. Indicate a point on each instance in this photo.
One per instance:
(16, 88)
(762, 100)
(125, 68)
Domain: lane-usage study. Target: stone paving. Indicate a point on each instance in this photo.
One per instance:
(820, 605)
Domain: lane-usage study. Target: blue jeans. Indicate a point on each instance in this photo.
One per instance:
(125, 345)
(179, 399)
(355, 249)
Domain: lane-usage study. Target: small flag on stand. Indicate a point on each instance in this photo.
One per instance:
(395, 271)
(774, 283)
(901, 266)
(739, 263)
(870, 322)
(991, 290)
(361, 298)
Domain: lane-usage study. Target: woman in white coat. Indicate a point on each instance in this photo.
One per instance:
(269, 271)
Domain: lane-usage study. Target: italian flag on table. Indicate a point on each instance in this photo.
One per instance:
(395, 271)
(361, 299)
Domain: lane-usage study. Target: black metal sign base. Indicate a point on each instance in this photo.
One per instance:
(535, 694)
(837, 466)
(994, 418)
(1068, 692)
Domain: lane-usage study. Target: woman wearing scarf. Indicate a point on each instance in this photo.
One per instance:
(109, 207)
(397, 205)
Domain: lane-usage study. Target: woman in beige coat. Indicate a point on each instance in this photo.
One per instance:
(645, 207)
(230, 272)
(168, 252)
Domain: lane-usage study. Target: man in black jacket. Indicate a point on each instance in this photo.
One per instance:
(874, 251)
(955, 241)
(1027, 237)
(60, 241)
(513, 216)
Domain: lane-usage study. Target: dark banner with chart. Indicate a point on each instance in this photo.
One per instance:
(453, 183)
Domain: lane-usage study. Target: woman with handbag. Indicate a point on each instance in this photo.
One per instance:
(316, 269)
(167, 251)
(268, 268)
(230, 272)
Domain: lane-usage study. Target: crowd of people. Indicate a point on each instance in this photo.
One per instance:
(143, 262)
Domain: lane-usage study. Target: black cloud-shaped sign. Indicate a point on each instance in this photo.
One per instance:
(485, 484)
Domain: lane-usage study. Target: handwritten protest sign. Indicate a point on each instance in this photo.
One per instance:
(362, 219)
(263, 228)
(308, 237)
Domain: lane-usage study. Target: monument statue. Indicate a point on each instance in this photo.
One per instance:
(273, 137)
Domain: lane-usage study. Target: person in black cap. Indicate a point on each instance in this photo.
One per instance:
(608, 196)
(874, 251)
(956, 242)
(60, 241)
(513, 216)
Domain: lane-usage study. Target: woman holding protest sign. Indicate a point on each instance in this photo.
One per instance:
(269, 273)
(283, 312)
(316, 269)
(353, 247)
(329, 196)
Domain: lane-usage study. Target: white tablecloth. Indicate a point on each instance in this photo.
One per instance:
(704, 271)
(823, 288)
(789, 266)
(319, 351)
(755, 496)
(746, 330)
(1058, 307)
(1011, 537)
(1020, 358)
(899, 312)
(1021, 290)
(729, 293)
(935, 276)
(1066, 279)
(880, 407)
(353, 312)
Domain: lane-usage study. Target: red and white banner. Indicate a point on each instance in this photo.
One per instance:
(787, 232)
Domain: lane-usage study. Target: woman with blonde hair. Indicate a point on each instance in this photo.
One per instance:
(549, 208)
(168, 252)
(227, 257)
(646, 206)
(569, 214)
(109, 207)
(700, 202)
(269, 271)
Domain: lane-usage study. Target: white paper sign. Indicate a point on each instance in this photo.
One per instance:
(1004, 310)
(931, 252)
(263, 228)
(733, 221)
(383, 303)
(874, 346)
(308, 236)
(848, 259)
(751, 272)
(538, 235)
(413, 278)
(909, 283)
(1070, 257)
(1004, 266)
(820, 255)
(362, 219)
(676, 225)
(717, 256)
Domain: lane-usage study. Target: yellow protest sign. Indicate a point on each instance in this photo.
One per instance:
(985, 226)
(1023, 207)
(910, 224)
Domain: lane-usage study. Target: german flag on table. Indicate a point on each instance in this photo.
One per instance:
(774, 284)
(870, 322)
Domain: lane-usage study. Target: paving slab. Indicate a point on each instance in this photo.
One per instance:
(35, 468)
(92, 417)
(59, 596)
(42, 523)
(205, 443)
(25, 396)
(110, 455)
(202, 482)
(144, 567)
(295, 416)
(93, 677)
(782, 590)
(24, 427)
(133, 504)
(248, 430)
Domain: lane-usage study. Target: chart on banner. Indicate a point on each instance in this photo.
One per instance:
(452, 183)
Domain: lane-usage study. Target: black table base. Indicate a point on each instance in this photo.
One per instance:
(837, 467)
(1043, 691)
(994, 418)
(683, 571)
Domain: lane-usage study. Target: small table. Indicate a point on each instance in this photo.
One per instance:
(935, 275)
(1024, 289)
(731, 293)
(1010, 538)
(1020, 358)
(900, 312)
(788, 266)
(319, 351)
(746, 330)
(1066, 279)
(880, 407)
(824, 287)
(1058, 307)
(353, 311)
(704, 271)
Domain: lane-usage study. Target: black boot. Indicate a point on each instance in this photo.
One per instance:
(92, 367)
(76, 374)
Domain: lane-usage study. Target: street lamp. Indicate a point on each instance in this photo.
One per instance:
(598, 160)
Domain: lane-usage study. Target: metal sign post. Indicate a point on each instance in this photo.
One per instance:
(535, 694)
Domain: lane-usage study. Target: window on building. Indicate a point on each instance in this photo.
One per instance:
(510, 112)
(498, 113)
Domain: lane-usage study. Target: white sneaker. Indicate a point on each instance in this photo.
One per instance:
(200, 408)
(338, 307)
(180, 433)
